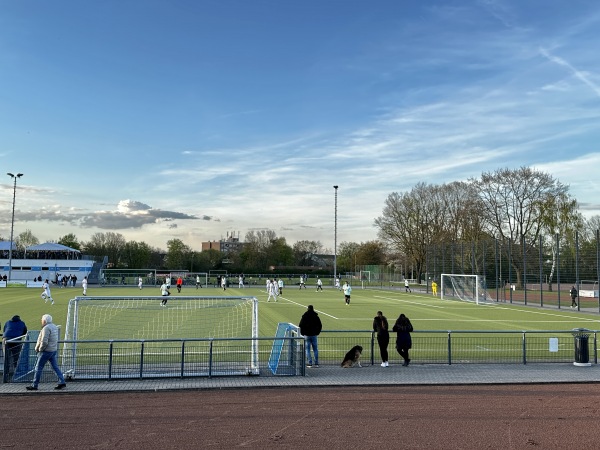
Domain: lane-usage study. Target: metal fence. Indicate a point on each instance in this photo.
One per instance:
(183, 358)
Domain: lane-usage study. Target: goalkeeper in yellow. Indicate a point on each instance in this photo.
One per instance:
(434, 288)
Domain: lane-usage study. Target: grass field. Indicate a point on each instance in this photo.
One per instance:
(425, 311)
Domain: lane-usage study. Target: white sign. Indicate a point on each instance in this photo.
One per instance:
(553, 344)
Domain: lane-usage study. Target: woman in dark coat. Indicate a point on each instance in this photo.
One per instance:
(381, 327)
(403, 328)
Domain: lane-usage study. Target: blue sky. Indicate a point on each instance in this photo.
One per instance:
(193, 119)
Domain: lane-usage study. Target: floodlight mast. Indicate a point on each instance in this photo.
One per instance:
(12, 222)
(335, 236)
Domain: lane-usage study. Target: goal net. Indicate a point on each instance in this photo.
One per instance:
(468, 288)
(135, 319)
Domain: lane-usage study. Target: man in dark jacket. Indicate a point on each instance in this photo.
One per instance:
(310, 327)
(14, 328)
(573, 293)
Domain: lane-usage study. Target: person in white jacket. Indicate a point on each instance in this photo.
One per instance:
(47, 348)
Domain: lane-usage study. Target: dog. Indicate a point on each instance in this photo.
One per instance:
(352, 357)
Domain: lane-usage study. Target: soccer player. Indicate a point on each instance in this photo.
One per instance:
(337, 283)
(272, 290)
(434, 288)
(46, 295)
(302, 282)
(84, 284)
(319, 284)
(140, 283)
(241, 282)
(406, 286)
(164, 291)
(179, 283)
(280, 284)
(224, 282)
(347, 292)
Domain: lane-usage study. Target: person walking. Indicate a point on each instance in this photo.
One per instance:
(573, 293)
(198, 282)
(310, 327)
(164, 292)
(241, 282)
(224, 282)
(13, 329)
(47, 348)
(272, 289)
(347, 291)
(319, 285)
(140, 283)
(302, 282)
(403, 328)
(381, 327)
(406, 286)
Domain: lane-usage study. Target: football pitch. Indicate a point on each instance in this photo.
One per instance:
(426, 312)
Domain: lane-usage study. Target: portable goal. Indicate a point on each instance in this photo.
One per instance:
(468, 288)
(137, 322)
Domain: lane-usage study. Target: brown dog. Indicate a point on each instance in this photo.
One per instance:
(352, 357)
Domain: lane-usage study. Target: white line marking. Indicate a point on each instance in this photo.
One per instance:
(306, 306)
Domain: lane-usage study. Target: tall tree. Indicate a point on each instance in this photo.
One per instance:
(26, 239)
(137, 255)
(346, 256)
(108, 244)
(177, 254)
(303, 250)
(515, 206)
(70, 240)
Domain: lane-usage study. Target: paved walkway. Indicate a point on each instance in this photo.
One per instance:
(415, 374)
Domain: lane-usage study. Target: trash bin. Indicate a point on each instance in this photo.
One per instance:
(582, 354)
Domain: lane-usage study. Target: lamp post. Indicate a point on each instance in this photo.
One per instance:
(12, 223)
(335, 237)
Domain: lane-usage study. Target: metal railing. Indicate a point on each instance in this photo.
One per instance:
(181, 358)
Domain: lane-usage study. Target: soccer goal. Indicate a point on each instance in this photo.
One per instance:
(135, 320)
(468, 288)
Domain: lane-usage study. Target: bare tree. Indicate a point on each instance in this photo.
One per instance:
(515, 205)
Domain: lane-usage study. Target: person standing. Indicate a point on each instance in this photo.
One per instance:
(434, 288)
(403, 328)
(347, 292)
(46, 295)
(280, 285)
(84, 284)
(381, 327)
(573, 293)
(319, 284)
(198, 282)
(224, 282)
(337, 284)
(164, 291)
(302, 282)
(272, 289)
(13, 329)
(140, 283)
(179, 283)
(406, 286)
(47, 348)
(241, 282)
(310, 327)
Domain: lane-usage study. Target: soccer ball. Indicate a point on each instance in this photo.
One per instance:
(44, 296)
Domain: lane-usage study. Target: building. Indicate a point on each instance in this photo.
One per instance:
(230, 244)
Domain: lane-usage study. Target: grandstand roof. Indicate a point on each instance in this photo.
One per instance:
(5, 245)
(51, 246)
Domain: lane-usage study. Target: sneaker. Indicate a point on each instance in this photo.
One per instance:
(316, 365)
(382, 364)
(31, 388)
(60, 386)
(309, 365)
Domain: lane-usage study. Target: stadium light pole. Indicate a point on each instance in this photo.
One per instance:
(335, 237)
(12, 223)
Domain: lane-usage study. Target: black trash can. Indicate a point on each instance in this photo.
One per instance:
(582, 353)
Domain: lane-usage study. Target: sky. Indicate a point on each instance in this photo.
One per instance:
(196, 120)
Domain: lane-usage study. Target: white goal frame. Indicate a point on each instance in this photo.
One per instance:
(478, 293)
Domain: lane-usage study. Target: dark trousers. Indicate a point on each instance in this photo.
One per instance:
(403, 353)
(383, 340)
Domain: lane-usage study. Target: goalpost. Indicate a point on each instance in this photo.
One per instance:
(468, 288)
(138, 319)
